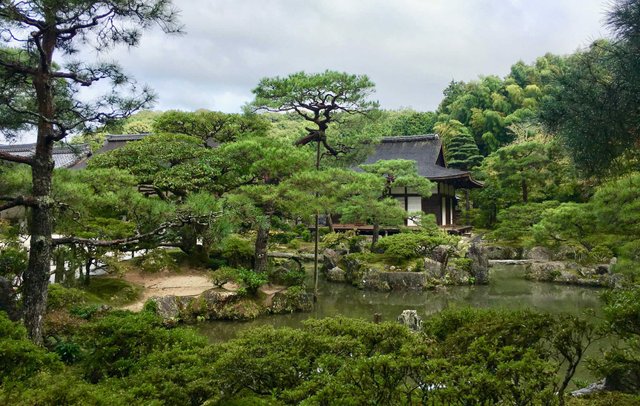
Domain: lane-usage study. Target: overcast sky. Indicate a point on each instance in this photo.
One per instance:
(411, 49)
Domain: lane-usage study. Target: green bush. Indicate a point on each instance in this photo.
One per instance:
(115, 344)
(283, 237)
(600, 254)
(405, 246)
(223, 275)
(13, 261)
(288, 276)
(237, 251)
(515, 223)
(60, 297)
(20, 357)
(157, 260)
(114, 291)
(252, 280)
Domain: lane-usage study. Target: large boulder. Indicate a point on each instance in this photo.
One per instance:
(441, 253)
(433, 268)
(330, 259)
(336, 274)
(374, 280)
(539, 254)
(544, 271)
(479, 263)
(213, 304)
(386, 281)
(410, 319)
(354, 268)
(291, 300)
(500, 252)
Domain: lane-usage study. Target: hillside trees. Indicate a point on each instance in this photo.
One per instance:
(488, 107)
(41, 29)
(528, 171)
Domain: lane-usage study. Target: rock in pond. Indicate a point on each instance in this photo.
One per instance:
(410, 319)
(336, 274)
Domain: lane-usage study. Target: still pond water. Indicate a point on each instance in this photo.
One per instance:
(508, 290)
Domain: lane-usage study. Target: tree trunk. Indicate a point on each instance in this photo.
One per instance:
(59, 258)
(36, 276)
(375, 236)
(330, 223)
(87, 272)
(525, 191)
(262, 244)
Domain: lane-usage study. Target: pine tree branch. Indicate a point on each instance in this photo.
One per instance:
(159, 231)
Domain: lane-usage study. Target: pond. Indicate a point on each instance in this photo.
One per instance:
(508, 290)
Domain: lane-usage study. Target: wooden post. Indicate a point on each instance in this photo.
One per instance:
(317, 236)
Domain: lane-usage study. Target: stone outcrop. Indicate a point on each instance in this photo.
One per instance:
(573, 274)
(385, 281)
(479, 263)
(500, 252)
(591, 389)
(336, 274)
(219, 304)
(410, 319)
(433, 268)
(290, 301)
(330, 259)
(539, 254)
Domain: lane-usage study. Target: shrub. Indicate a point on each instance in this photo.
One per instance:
(237, 251)
(252, 280)
(223, 275)
(284, 237)
(20, 357)
(405, 246)
(288, 276)
(116, 343)
(600, 254)
(114, 291)
(158, 260)
(13, 261)
(65, 298)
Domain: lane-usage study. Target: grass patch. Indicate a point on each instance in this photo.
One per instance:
(115, 292)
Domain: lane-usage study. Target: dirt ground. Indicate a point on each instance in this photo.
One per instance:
(166, 283)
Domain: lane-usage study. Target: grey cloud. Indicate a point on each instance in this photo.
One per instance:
(410, 48)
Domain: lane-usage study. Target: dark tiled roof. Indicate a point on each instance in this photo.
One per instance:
(64, 156)
(125, 137)
(426, 151)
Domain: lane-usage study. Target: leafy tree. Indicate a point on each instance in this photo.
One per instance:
(209, 125)
(381, 209)
(460, 148)
(595, 108)
(317, 98)
(490, 106)
(42, 28)
(269, 163)
(527, 171)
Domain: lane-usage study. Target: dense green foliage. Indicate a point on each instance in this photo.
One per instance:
(462, 356)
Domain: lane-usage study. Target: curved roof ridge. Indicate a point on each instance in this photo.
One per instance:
(411, 138)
